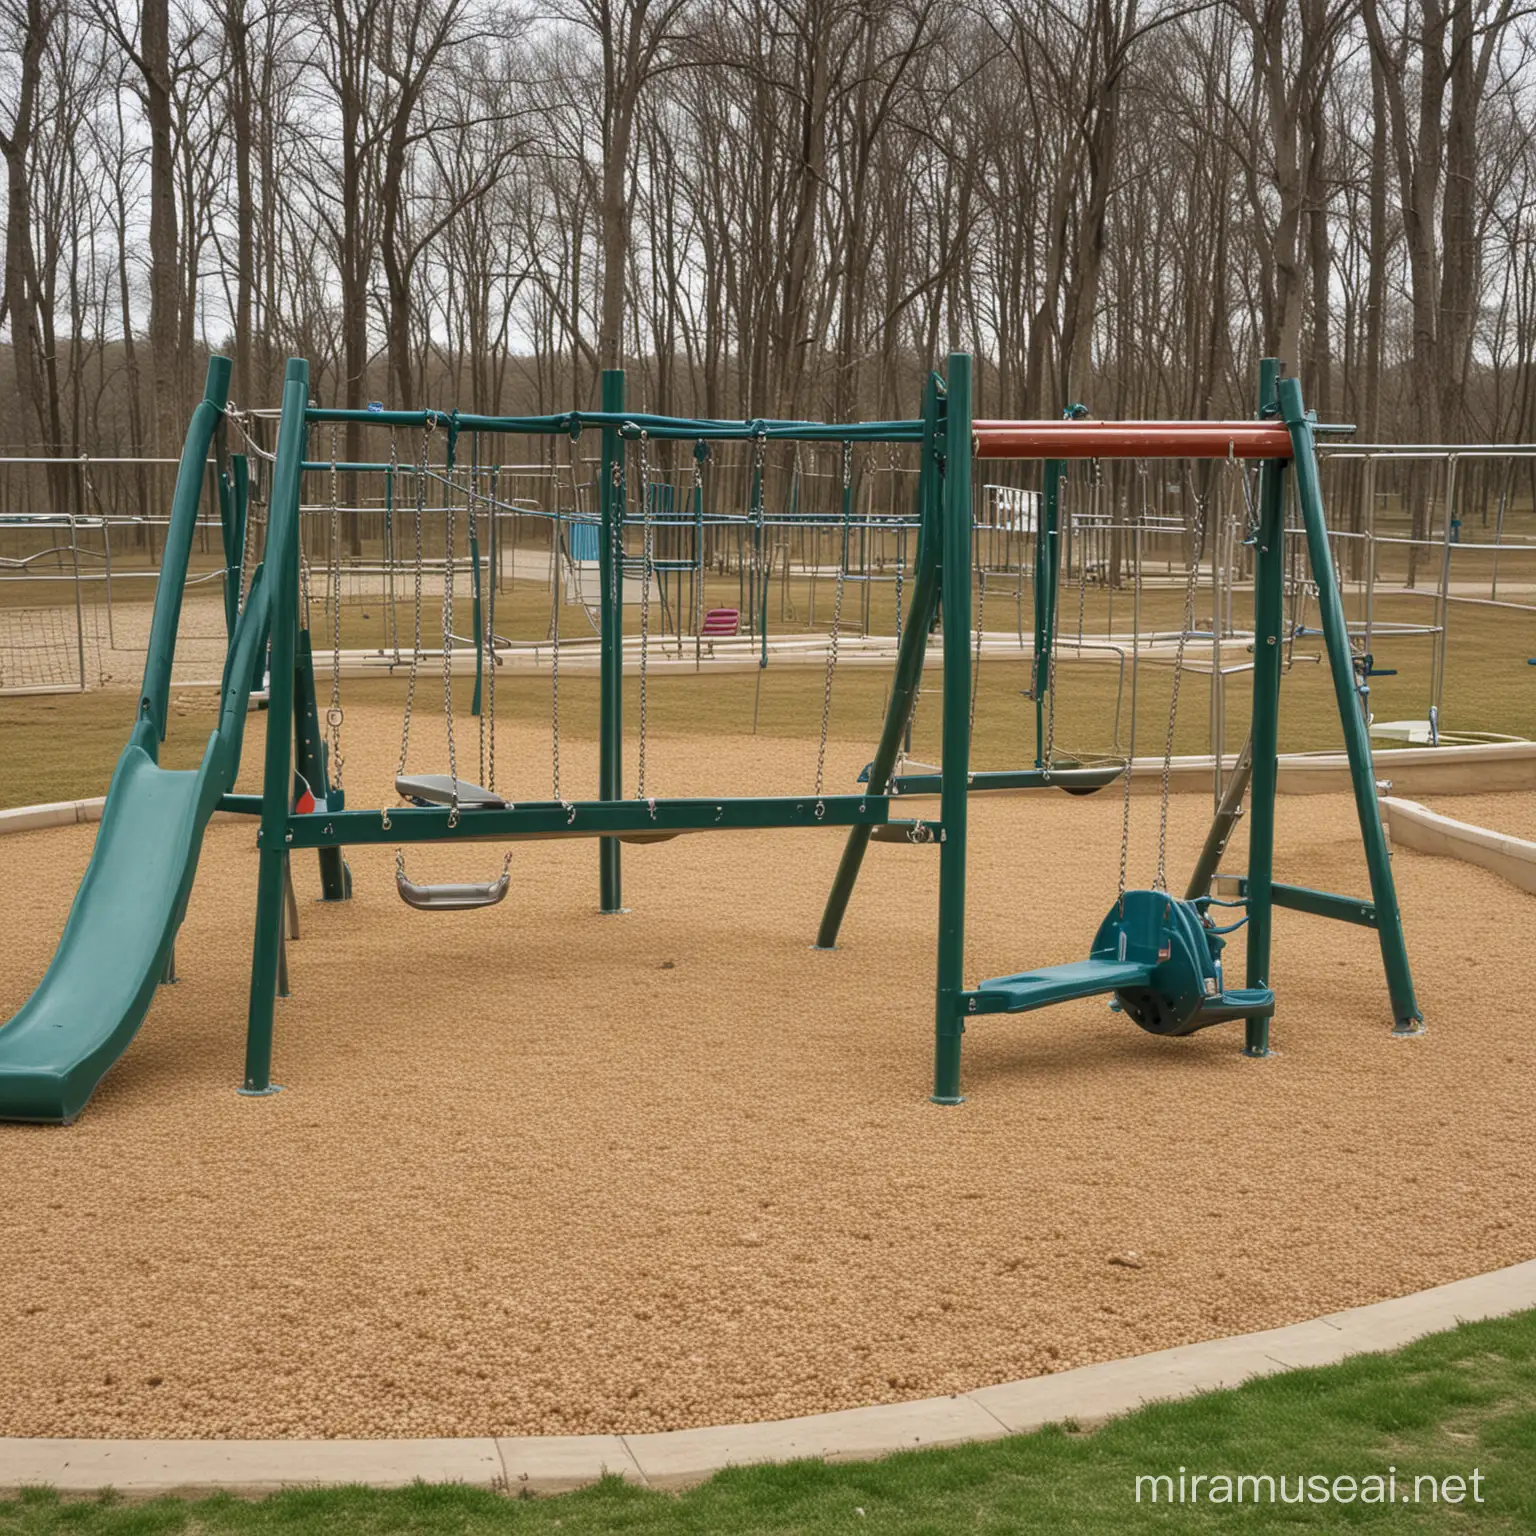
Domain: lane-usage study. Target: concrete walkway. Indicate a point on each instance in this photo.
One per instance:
(681, 1458)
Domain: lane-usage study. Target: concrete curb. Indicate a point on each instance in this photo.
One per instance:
(59, 813)
(70, 813)
(681, 1458)
(1411, 825)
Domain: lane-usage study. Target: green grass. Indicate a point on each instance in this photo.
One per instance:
(1451, 1404)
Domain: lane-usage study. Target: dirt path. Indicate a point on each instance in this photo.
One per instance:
(539, 1171)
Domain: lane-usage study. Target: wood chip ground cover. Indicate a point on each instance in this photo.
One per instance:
(538, 1171)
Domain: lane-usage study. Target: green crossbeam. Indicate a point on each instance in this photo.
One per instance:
(582, 818)
(1301, 898)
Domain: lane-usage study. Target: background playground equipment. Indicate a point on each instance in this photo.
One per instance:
(1435, 549)
(48, 1074)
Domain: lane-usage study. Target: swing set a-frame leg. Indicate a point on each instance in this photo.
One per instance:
(1406, 1016)
(909, 673)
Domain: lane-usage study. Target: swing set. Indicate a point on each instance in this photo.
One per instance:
(1157, 956)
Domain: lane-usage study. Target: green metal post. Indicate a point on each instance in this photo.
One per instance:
(909, 659)
(1406, 1017)
(611, 639)
(282, 569)
(1047, 579)
(1264, 731)
(948, 1024)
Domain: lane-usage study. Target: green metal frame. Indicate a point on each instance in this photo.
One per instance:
(1259, 764)
(942, 587)
(610, 722)
(281, 571)
(954, 797)
(294, 739)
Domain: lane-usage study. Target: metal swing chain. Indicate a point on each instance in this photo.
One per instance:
(303, 584)
(472, 529)
(333, 715)
(981, 608)
(245, 542)
(910, 734)
(391, 496)
(837, 625)
(554, 628)
(1130, 751)
(448, 572)
(1050, 655)
(1081, 541)
(647, 561)
(698, 554)
(420, 509)
(1191, 579)
(489, 643)
(616, 564)
(755, 512)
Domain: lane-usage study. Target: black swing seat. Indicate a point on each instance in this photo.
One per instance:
(451, 898)
(1158, 957)
(437, 789)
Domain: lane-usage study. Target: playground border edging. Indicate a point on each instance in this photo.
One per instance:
(69, 813)
(679, 1459)
(57, 813)
(1411, 825)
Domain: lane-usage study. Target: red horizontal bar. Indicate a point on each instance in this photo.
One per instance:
(1131, 440)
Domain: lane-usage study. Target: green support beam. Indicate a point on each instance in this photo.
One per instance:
(909, 659)
(949, 1025)
(155, 695)
(1301, 898)
(610, 750)
(282, 569)
(1223, 824)
(577, 818)
(1264, 732)
(1406, 1016)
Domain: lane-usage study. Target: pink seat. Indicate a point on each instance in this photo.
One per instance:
(721, 623)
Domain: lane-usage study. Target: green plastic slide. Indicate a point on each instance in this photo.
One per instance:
(122, 928)
(95, 993)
